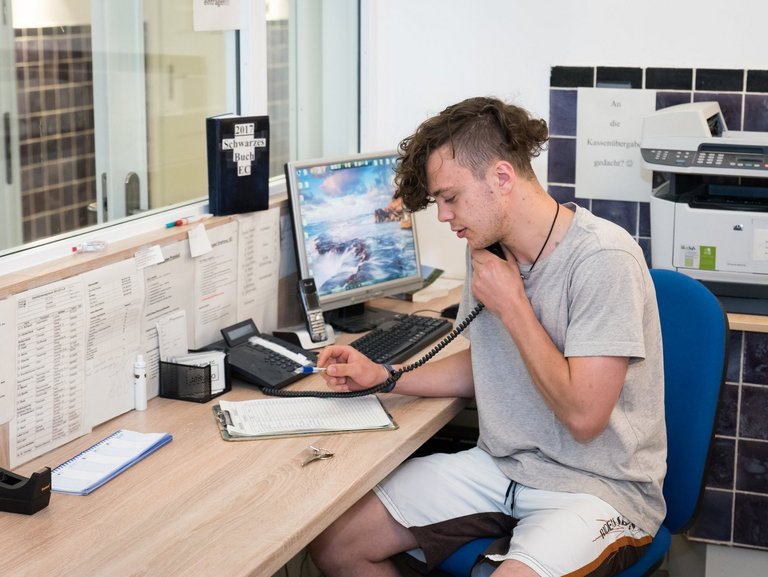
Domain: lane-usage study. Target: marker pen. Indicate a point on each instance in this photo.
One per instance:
(308, 370)
(188, 220)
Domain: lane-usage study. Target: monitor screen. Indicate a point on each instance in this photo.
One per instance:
(351, 236)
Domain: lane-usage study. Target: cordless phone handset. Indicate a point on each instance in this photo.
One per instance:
(389, 383)
(313, 314)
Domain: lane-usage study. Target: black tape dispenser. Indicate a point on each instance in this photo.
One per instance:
(25, 495)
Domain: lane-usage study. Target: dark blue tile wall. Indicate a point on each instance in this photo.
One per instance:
(730, 106)
(734, 506)
(56, 129)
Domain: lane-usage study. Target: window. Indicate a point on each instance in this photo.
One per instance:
(103, 103)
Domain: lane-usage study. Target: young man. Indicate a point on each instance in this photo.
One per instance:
(564, 363)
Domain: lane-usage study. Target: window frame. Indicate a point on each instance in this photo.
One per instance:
(252, 97)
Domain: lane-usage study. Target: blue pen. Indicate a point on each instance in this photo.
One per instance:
(308, 370)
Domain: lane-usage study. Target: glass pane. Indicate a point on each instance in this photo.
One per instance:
(277, 88)
(55, 106)
(187, 76)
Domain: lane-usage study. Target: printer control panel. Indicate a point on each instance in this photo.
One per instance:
(700, 159)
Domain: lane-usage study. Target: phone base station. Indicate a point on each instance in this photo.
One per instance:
(298, 335)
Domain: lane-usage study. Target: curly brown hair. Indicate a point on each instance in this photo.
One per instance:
(479, 130)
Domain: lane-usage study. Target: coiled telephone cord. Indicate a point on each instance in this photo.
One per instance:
(388, 384)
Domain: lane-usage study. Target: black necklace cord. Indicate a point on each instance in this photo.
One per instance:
(524, 275)
(387, 385)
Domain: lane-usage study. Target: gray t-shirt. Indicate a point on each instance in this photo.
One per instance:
(594, 296)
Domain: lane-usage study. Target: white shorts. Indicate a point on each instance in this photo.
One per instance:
(447, 500)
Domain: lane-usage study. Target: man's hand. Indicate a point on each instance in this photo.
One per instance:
(495, 281)
(347, 369)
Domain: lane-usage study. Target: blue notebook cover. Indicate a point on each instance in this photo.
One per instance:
(103, 461)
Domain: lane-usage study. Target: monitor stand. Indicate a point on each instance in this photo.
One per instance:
(359, 318)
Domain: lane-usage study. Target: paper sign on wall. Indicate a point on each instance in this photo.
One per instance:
(216, 15)
(608, 161)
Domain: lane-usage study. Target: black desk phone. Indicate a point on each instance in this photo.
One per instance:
(389, 383)
(261, 359)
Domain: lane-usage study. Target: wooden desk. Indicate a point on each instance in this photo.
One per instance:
(749, 323)
(202, 506)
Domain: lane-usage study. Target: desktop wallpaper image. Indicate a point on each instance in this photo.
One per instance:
(355, 234)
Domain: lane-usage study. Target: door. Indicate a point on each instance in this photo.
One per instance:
(10, 189)
(120, 117)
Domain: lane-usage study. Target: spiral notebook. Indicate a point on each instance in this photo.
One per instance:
(103, 461)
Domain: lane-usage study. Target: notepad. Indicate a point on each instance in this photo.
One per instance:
(265, 418)
(90, 469)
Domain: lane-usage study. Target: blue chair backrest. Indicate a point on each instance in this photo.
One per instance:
(694, 330)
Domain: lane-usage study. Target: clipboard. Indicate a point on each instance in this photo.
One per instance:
(300, 416)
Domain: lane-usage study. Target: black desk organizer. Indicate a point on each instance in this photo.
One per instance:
(190, 382)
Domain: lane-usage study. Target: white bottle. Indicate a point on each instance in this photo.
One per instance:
(140, 384)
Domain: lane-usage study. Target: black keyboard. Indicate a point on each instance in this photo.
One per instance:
(396, 340)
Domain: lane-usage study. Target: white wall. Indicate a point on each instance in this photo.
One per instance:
(421, 55)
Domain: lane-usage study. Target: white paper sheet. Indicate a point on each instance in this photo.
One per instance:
(172, 335)
(7, 358)
(167, 289)
(297, 415)
(50, 369)
(199, 241)
(608, 160)
(258, 268)
(114, 301)
(215, 286)
(208, 15)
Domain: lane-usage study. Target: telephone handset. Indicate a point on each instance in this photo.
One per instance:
(496, 249)
(389, 383)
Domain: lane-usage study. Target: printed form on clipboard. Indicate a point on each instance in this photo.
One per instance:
(281, 417)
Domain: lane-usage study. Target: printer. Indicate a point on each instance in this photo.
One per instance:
(709, 216)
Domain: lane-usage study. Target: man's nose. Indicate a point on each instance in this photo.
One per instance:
(443, 214)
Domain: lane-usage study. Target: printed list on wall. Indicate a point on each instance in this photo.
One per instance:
(71, 347)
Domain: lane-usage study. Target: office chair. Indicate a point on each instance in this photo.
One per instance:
(694, 330)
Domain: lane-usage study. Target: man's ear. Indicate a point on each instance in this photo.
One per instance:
(505, 175)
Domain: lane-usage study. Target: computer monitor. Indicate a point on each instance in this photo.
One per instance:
(351, 236)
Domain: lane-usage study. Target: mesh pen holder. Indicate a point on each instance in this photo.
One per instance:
(191, 382)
